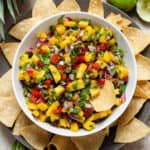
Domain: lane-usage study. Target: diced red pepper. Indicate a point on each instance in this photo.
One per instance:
(103, 46)
(61, 67)
(68, 18)
(88, 112)
(81, 58)
(33, 99)
(36, 93)
(47, 82)
(125, 79)
(89, 69)
(95, 66)
(55, 58)
(40, 63)
(30, 72)
(40, 51)
(64, 77)
(58, 110)
(101, 82)
(75, 59)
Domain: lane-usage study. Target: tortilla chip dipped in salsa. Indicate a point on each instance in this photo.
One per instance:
(76, 77)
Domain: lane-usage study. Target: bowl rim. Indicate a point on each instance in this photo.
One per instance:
(72, 134)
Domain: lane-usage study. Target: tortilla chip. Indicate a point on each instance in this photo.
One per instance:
(21, 122)
(9, 110)
(61, 143)
(118, 20)
(68, 5)
(9, 50)
(131, 132)
(44, 8)
(143, 67)
(133, 108)
(6, 85)
(106, 99)
(143, 89)
(138, 39)
(35, 136)
(21, 28)
(90, 142)
(96, 7)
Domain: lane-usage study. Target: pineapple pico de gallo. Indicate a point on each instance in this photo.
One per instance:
(67, 69)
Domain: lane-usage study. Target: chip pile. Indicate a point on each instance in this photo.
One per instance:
(11, 115)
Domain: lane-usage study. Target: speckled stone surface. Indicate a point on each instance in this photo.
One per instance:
(6, 139)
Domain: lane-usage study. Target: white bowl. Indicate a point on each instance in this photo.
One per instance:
(30, 41)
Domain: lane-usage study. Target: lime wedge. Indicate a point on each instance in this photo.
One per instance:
(143, 9)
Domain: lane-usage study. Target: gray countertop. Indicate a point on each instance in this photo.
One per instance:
(6, 139)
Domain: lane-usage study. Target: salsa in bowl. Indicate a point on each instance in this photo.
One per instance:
(74, 77)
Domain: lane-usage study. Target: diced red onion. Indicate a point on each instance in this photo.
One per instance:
(62, 82)
(67, 49)
(61, 62)
(71, 76)
(123, 97)
(81, 33)
(56, 49)
(91, 47)
(42, 40)
(88, 105)
(38, 44)
(73, 116)
(30, 49)
(40, 86)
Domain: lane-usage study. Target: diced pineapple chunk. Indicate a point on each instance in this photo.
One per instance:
(70, 23)
(90, 56)
(38, 74)
(45, 48)
(80, 71)
(67, 58)
(111, 42)
(42, 106)
(34, 58)
(52, 107)
(107, 57)
(60, 29)
(50, 112)
(59, 90)
(83, 24)
(42, 117)
(63, 123)
(32, 106)
(101, 63)
(74, 127)
(24, 59)
(55, 73)
(122, 71)
(53, 40)
(102, 39)
(89, 125)
(42, 35)
(76, 85)
(35, 113)
(94, 92)
(118, 102)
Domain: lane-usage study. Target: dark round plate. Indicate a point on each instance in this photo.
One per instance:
(143, 115)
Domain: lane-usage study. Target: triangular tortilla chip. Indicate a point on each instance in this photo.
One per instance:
(138, 39)
(131, 132)
(9, 50)
(21, 122)
(62, 143)
(20, 29)
(118, 20)
(90, 142)
(133, 108)
(43, 8)
(6, 85)
(143, 67)
(106, 99)
(96, 7)
(68, 5)
(143, 89)
(9, 110)
(36, 136)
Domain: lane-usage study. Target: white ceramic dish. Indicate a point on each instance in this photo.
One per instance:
(30, 41)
